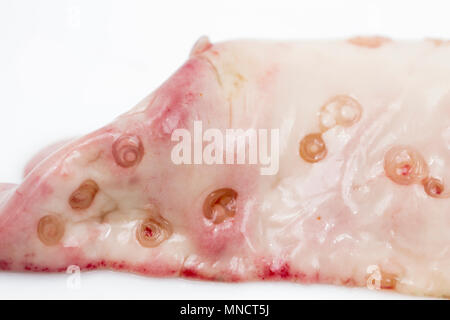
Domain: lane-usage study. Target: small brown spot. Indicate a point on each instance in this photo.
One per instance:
(405, 165)
(313, 148)
(128, 151)
(83, 197)
(380, 279)
(388, 281)
(434, 188)
(439, 42)
(220, 205)
(153, 231)
(341, 110)
(369, 42)
(50, 230)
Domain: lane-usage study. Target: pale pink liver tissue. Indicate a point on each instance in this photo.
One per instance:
(359, 199)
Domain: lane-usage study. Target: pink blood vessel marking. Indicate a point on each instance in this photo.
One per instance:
(369, 200)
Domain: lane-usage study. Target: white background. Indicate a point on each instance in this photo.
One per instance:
(70, 66)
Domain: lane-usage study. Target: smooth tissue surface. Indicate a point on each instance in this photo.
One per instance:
(359, 197)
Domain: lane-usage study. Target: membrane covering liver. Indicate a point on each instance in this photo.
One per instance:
(359, 198)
